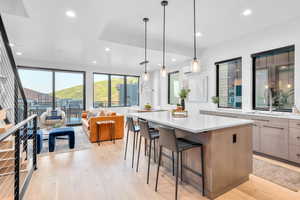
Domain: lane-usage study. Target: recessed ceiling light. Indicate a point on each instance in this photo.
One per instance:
(70, 14)
(19, 53)
(247, 12)
(199, 34)
(173, 60)
(94, 62)
(107, 49)
(11, 44)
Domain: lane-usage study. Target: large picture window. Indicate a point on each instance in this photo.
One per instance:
(115, 90)
(173, 88)
(54, 89)
(273, 79)
(229, 83)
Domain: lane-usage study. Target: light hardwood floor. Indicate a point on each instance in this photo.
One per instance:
(101, 173)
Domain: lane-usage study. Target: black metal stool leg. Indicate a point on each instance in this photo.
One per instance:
(126, 144)
(176, 185)
(139, 152)
(181, 166)
(146, 147)
(173, 170)
(154, 150)
(149, 159)
(157, 173)
(133, 147)
(202, 170)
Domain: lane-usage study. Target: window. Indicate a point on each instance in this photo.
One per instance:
(229, 83)
(173, 88)
(54, 89)
(132, 90)
(115, 90)
(69, 94)
(273, 79)
(101, 90)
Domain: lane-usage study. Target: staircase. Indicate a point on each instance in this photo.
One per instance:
(18, 152)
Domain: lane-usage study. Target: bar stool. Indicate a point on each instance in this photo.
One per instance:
(111, 126)
(131, 128)
(149, 135)
(169, 141)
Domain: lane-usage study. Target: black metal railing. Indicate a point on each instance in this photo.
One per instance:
(18, 132)
(18, 158)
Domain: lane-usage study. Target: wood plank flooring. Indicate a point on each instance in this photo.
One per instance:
(102, 173)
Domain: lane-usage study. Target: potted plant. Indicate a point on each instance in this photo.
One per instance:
(183, 95)
(147, 106)
(215, 100)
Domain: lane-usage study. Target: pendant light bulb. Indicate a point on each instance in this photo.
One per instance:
(195, 65)
(146, 76)
(163, 72)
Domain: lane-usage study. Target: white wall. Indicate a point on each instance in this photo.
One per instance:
(270, 38)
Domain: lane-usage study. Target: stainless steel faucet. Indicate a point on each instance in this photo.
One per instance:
(270, 96)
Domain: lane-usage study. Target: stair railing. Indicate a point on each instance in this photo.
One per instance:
(25, 152)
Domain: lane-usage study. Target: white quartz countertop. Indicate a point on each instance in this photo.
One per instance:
(196, 123)
(281, 115)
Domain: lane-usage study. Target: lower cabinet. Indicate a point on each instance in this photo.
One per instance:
(294, 153)
(274, 141)
(272, 136)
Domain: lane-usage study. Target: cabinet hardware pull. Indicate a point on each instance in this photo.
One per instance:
(298, 124)
(274, 127)
(298, 154)
(298, 137)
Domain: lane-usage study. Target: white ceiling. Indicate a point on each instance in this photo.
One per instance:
(48, 35)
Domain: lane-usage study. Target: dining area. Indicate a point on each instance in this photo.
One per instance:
(212, 154)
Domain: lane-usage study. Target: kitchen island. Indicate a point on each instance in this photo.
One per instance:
(227, 149)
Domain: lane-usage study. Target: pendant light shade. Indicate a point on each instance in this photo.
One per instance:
(195, 65)
(146, 75)
(163, 70)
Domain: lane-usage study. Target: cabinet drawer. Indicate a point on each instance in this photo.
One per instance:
(294, 153)
(274, 141)
(294, 137)
(294, 123)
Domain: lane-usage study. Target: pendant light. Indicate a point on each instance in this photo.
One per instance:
(163, 68)
(195, 62)
(146, 75)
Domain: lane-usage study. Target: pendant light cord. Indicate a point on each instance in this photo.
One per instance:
(145, 46)
(164, 35)
(195, 49)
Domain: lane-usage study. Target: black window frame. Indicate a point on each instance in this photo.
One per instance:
(109, 89)
(169, 82)
(217, 78)
(266, 53)
(53, 70)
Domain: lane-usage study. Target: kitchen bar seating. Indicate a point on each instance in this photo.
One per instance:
(169, 141)
(150, 135)
(134, 129)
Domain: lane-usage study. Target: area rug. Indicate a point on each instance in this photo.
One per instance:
(62, 145)
(282, 176)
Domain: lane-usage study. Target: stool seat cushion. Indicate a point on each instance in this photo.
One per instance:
(154, 134)
(184, 144)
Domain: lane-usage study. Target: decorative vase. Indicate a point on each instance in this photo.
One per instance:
(183, 104)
